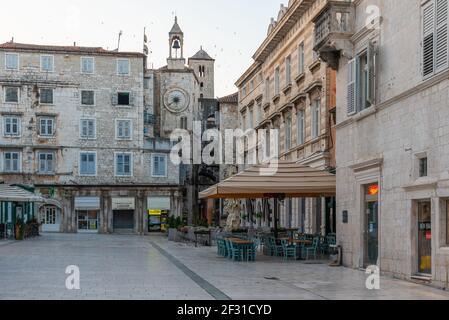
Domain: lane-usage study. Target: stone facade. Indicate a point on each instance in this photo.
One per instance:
(90, 129)
(392, 135)
(290, 89)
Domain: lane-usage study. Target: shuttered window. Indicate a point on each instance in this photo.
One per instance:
(123, 165)
(88, 164)
(46, 163)
(352, 76)
(124, 128)
(159, 165)
(88, 130)
(435, 37)
(300, 127)
(316, 108)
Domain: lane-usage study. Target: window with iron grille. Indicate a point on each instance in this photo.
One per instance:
(46, 96)
(11, 94)
(87, 97)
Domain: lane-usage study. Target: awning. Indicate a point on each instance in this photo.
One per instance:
(290, 180)
(16, 194)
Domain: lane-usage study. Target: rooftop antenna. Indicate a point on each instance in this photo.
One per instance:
(119, 38)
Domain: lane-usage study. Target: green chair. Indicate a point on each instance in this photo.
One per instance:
(237, 252)
(288, 250)
(312, 249)
(276, 250)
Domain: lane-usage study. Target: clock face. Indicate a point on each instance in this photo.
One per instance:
(176, 100)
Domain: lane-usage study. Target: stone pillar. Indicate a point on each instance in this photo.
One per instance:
(139, 213)
(323, 216)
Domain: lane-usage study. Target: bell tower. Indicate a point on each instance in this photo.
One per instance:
(176, 48)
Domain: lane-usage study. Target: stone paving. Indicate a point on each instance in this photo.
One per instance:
(132, 267)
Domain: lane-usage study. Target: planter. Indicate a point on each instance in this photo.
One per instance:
(173, 235)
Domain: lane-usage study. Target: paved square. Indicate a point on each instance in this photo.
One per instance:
(145, 268)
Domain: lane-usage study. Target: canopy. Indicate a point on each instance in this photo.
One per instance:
(289, 180)
(16, 194)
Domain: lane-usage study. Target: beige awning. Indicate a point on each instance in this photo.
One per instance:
(290, 180)
(16, 194)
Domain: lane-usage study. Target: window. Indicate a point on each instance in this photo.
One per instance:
(88, 164)
(184, 123)
(11, 162)
(12, 61)
(361, 81)
(123, 129)
(87, 65)
(46, 162)
(46, 96)
(267, 89)
(300, 127)
(87, 97)
(301, 58)
(316, 106)
(423, 166)
(244, 123)
(47, 63)
(11, 126)
(123, 67)
(435, 35)
(11, 95)
(88, 129)
(123, 98)
(123, 166)
(276, 82)
(46, 127)
(288, 70)
(159, 165)
(288, 132)
(447, 222)
(251, 119)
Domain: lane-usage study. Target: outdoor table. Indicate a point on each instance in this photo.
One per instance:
(244, 244)
(299, 244)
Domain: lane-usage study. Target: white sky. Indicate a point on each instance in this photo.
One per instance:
(229, 30)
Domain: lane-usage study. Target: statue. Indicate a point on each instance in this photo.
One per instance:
(232, 206)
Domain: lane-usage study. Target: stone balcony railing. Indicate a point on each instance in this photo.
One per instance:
(334, 26)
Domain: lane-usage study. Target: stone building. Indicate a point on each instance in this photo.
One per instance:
(90, 129)
(392, 133)
(290, 89)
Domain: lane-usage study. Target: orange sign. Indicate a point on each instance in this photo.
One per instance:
(373, 190)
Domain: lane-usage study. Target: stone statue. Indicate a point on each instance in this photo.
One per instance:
(231, 206)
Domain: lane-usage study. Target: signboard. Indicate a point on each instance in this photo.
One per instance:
(123, 203)
(87, 203)
(159, 203)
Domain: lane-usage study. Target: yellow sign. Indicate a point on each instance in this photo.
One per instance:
(154, 212)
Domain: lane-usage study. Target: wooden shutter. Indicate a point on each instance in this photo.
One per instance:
(115, 99)
(428, 14)
(351, 100)
(370, 94)
(441, 44)
(131, 98)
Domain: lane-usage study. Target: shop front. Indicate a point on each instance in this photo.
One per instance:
(159, 210)
(371, 225)
(123, 210)
(87, 212)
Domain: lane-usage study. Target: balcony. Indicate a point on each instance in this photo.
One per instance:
(334, 27)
